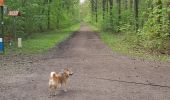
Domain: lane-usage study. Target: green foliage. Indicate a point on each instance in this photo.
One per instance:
(126, 44)
(148, 24)
(40, 42)
(155, 32)
(40, 16)
(126, 24)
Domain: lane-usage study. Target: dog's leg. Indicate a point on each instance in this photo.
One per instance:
(65, 86)
(52, 90)
(55, 88)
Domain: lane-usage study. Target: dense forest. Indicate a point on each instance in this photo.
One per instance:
(145, 23)
(38, 16)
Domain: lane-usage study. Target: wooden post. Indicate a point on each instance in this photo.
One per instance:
(19, 42)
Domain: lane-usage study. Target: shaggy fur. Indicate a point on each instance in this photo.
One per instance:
(58, 79)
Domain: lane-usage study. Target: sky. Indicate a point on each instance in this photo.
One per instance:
(82, 1)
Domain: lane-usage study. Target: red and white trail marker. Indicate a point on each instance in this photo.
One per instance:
(14, 13)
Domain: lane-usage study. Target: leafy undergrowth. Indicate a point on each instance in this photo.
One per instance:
(41, 42)
(125, 44)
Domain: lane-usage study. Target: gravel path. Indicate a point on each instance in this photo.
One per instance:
(100, 74)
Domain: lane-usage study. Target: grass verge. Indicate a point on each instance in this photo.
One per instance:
(41, 42)
(119, 43)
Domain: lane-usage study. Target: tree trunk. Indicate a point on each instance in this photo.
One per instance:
(119, 13)
(168, 7)
(104, 8)
(136, 5)
(2, 19)
(107, 7)
(92, 8)
(96, 10)
(58, 14)
(48, 14)
(131, 4)
(126, 5)
(111, 13)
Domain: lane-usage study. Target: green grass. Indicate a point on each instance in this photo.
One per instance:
(119, 43)
(42, 42)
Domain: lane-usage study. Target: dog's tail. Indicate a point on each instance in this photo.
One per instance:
(52, 74)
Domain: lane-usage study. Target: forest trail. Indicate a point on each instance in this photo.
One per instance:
(100, 74)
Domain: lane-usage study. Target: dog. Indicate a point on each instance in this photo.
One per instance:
(58, 79)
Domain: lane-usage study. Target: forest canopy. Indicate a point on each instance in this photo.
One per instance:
(39, 16)
(147, 21)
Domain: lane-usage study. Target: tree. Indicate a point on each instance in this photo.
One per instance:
(41, 15)
(111, 12)
(131, 4)
(119, 13)
(136, 3)
(104, 8)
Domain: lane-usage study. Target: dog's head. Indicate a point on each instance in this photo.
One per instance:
(68, 72)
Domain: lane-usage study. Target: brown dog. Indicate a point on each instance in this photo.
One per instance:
(58, 79)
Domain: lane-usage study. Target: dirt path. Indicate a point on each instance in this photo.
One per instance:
(100, 74)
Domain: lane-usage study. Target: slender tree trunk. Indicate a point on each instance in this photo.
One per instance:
(96, 10)
(104, 8)
(107, 7)
(131, 4)
(136, 5)
(119, 9)
(126, 4)
(2, 19)
(48, 14)
(92, 9)
(168, 7)
(119, 13)
(111, 12)
(58, 14)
